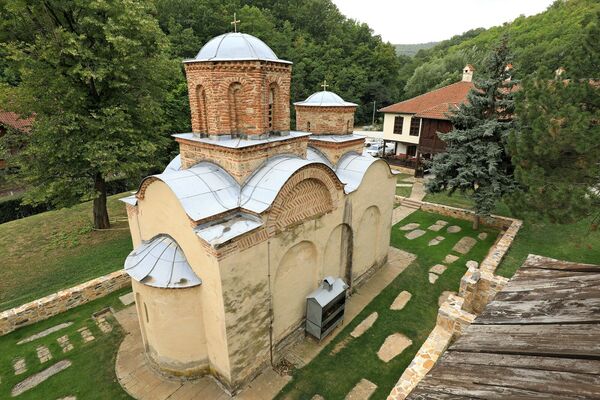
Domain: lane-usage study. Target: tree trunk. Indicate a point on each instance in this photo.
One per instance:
(476, 222)
(100, 210)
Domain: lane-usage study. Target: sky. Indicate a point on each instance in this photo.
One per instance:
(420, 21)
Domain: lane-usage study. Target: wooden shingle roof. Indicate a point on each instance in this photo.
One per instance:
(13, 120)
(538, 338)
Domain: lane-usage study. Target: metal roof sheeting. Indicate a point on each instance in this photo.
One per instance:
(328, 291)
(352, 168)
(325, 98)
(222, 231)
(203, 190)
(174, 165)
(263, 186)
(313, 154)
(160, 263)
(239, 142)
(236, 46)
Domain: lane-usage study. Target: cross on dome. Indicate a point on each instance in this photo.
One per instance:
(325, 85)
(235, 22)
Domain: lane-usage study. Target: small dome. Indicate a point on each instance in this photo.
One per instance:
(160, 263)
(325, 99)
(236, 46)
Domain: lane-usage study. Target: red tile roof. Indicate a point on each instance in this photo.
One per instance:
(434, 104)
(12, 120)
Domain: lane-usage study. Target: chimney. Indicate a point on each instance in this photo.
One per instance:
(468, 73)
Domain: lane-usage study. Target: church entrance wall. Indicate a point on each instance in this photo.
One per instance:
(367, 241)
(337, 261)
(295, 278)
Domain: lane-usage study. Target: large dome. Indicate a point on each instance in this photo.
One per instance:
(325, 99)
(236, 46)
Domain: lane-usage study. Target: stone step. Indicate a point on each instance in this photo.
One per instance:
(407, 202)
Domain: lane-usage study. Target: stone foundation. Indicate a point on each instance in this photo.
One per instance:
(59, 302)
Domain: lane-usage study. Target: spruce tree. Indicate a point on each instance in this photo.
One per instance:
(475, 161)
(555, 146)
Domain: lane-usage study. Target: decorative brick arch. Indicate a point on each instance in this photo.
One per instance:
(311, 191)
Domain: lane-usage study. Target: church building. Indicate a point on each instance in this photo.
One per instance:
(251, 217)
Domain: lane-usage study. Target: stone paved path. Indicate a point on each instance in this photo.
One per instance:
(438, 269)
(454, 229)
(401, 300)
(464, 245)
(450, 258)
(394, 345)
(409, 227)
(362, 391)
(364, 325)
(103, 324)
(35, 379)
(45, 332)
(433, 278)
(414, 234)
(435, 241)
(127, 299)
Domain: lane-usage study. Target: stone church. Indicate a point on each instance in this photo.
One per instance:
(251, 216)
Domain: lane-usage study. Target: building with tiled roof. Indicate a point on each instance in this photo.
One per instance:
(11, 120)
(412, 125)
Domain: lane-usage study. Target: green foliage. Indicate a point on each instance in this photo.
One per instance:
(556, 146)
(322, 43)
(95, 74)
(475, 161)
(412, 49)
(552, 39)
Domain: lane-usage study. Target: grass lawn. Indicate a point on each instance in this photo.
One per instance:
(402, 177)
(573, 242)
(333, 376)
(403, 191)
(58, 249)
(92, 373)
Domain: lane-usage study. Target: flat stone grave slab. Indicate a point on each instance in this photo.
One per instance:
(435, 241)
(45, 332)
(68, 398)
(454, 229)
(86, 334)
(482, 236)
(433, 277)
(127, 299)
(450, 258)
(438, 269)
(464, 245)
(20, 366)
(414, 234)
(364, 325)
(65, 344)
(103, 324)
(317, 397)
(439, 224)
(410, 227)
(43, 354)
(401, 300)
(40, 377)
(340, 346)
(394, 345)
(362, 391)
(472, 264)
(444, 296)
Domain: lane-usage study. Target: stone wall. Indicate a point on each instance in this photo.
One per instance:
(56, 303)
(239, 162)
(325, 120)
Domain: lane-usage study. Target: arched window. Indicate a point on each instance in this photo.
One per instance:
(271, 109)
(201, 109)
(308, 126)
(234, 107)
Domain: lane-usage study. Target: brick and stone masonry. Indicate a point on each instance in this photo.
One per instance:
(325, 120)
(231, 97)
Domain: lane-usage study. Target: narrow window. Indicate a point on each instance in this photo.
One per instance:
(415, 126)
(348, 126)
(398, 122)
(201, 109)
(146, 311)
(234, 111)
(271, 107)
(308, 126)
